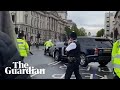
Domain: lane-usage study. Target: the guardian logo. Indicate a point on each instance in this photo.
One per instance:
(23, 68)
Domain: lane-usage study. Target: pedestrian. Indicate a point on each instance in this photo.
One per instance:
(29, 44)
(8, 47)
(47, 45)
(116, 59)
(73, 53)
(23, 46)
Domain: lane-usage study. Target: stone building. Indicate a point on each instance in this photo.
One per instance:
(49, 24)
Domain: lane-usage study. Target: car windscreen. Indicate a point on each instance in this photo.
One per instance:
(103, 43)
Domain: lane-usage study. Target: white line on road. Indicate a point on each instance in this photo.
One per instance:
(52, 62)
(88, 68)
(56, 63)
(58, 76)
(109, 70)
(85, 73)
(102, 77)
(33, 75)
(91, 76)
(99, 69)
(63, 76)
(63, 67)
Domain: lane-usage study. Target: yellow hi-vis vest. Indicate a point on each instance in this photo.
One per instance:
(48, 44)
(23, 47)
(116, 57)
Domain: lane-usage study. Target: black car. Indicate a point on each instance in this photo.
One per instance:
(95, 49)
(58, 51)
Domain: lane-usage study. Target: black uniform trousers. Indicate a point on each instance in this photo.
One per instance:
(73, 67)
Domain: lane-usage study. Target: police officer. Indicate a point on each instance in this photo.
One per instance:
(47, 45)
(73, 52)
(116, 59)
(8, 47)
(23, 46)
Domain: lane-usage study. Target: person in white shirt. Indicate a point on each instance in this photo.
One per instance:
(73, 53)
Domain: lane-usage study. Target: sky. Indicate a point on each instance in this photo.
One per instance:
(92, 21)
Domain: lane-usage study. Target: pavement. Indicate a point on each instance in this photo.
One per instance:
(56, 70)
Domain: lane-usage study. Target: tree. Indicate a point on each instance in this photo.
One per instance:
(100, 33)
(68, 31)
(74, 28)
(82, 32)
(79, 32)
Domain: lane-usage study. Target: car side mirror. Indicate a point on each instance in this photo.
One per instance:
(66, 44)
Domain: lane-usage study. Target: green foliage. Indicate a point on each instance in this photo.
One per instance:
(100, 33)
(79, 32)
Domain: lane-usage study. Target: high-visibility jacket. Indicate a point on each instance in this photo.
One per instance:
(23, 47)
(116, 57)
(48, 44)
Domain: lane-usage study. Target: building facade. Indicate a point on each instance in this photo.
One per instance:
(47, 24)
(109, 23)
(117, 26)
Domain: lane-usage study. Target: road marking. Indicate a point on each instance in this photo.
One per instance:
(63, 67)
(109, 70)
(57, 63)
(52, 62)
(88, 69)
(63, 76)
(91, 76)
(82, 69)
(72, 78)
(33, 75)
(58, 76)
(102, 77)
(85, 73)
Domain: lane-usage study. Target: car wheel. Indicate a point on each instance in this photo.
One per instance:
(102, 63)
(57, 56)
(83, 61)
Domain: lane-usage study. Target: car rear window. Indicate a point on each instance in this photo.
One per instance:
(103, 43)
(86, 41)
(92, 42)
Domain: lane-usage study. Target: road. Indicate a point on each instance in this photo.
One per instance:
(56, 70)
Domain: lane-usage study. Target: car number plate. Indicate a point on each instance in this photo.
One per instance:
(107, 50)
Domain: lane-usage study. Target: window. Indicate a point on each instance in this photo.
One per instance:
(107, 26)
(38, 22)
(26, 19)
(107, 17)
(26, 29)
(32, 21)
(35, 22)
(13, 18)
(108, 30)
(107, 21)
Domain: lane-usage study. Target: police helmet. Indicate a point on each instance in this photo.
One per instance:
(73, 35)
